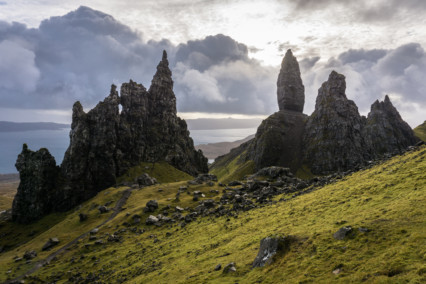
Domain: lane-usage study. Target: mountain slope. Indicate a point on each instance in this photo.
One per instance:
(387, 200)
(420, 131)
(213, 150)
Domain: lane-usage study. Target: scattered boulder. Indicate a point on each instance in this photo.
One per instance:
(343, 233)
(151, 206)
(235, 183)
(103, 209)
(83, 217)
(30, 254)
(146, 180)
(94, 231)
(136, 219)
(50, 244)
(151, 220)
(218, 267)
(269, 247)
(230, 267)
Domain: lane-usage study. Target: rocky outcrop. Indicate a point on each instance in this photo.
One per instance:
(290, 89)
(333, 138)
(385, 131)
(105, 143)
(36, 192)
(278, 141)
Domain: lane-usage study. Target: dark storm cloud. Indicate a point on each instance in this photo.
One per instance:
(79, 55)
(73, 57)
(202, 54)
(355, 55)
(216, 75)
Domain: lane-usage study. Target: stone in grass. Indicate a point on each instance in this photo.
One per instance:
(218, 267)
(269, 247)
(151, 206)
(230, 267)
(30, 254)
(83, 217)
(343, 233)
(50, 243)
(151, 220)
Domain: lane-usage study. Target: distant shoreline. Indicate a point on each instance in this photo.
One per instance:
(9, 126)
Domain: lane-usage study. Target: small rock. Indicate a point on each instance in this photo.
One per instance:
(343, 233)
(268, 248)
(363, 230)
(218, 267)
(230, 267)
(94, 231)
(146, 180)
(234, 183)
(151, 220)
(30, 254)
(83, 217)
(151, 206)
(103, 209)
(50, 243)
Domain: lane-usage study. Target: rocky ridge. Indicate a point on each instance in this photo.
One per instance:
(105, 143)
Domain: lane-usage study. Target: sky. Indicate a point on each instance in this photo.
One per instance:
(225, 55)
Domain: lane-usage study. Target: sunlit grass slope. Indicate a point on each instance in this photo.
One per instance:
(420, 131)
(388, 200)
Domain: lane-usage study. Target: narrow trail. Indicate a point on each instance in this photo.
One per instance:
(118, 206)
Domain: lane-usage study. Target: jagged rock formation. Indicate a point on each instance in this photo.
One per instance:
(36, 192)
(333, 140)
(385, 131)
(277, 140)
(290, 89)
(105, 143)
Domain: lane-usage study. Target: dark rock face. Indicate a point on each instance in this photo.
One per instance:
(36, 192)
(105, 143)
(290, 89)
(269, 247)
(385, 131)
(333, 134)
(278, 141)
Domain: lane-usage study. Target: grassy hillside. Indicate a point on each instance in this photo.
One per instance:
(388, 200)
(420, 131)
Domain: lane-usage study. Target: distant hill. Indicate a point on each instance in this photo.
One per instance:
(420, 131)
(214, 150)
(222, 123)
(8, 126)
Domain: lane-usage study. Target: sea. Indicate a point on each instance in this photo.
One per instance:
(57, 142)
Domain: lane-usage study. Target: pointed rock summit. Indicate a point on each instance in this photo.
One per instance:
(385, 131)
(332, 138)
(290, 89)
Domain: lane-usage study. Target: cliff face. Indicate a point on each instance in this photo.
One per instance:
(37, 190)
(278, 138)
(385, 131)
(333, 140)
(105, 143)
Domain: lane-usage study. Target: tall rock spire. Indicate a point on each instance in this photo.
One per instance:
(290, 89)
(161, 89)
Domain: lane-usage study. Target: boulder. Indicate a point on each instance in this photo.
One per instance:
(151, 220)
(269, 247)
(30, 254)
(230, 268)
(151, 206)
(343, 233)
(146, 180)
(50, 243)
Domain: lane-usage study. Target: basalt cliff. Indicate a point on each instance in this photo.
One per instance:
(104, 144)
(334, 138)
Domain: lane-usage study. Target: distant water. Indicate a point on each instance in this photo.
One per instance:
(57, 142)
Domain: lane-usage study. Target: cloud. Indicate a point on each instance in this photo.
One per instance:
(74, 57)
(370, 74)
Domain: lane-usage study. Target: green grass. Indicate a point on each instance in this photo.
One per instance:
(420, 131)
(387, 199)
(233, 169)
(162, 171)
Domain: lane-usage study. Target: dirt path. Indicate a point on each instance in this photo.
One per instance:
(49, 258)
